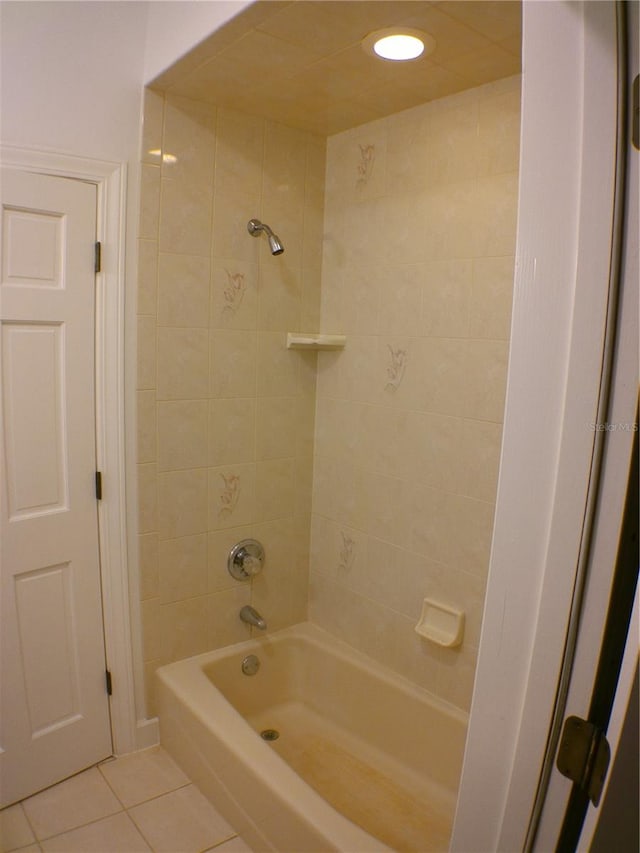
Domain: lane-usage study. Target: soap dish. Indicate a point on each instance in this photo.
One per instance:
(441, 624)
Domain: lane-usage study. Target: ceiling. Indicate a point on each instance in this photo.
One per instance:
(302, 63)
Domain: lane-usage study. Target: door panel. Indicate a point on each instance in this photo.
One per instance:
(54, 707)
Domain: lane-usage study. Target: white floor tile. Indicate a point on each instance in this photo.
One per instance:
(14, 829)
(32, 848)
(181, 821)
(115, 834)
(143, 776)
(72, 803)
(234, 845)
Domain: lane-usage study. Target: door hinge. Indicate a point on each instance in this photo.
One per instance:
(98, 485)
(583, 756)
(97, 267)
(109, 682)
(635, 113)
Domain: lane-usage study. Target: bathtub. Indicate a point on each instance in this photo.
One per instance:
(363, 761)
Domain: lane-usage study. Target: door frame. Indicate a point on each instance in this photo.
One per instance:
(562, 266)
(110, 179)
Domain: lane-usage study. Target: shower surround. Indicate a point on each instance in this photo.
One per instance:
(420, 224)
(416, 266)
(225, 412)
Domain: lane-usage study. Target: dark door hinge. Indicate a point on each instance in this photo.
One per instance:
(98, 257)
(635, 113)
(98, 485)
(583, 756)
(109, 682)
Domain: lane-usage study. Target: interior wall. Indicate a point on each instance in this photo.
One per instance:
(225, 411)
(176, 27)
(418, 263)
(72, 77)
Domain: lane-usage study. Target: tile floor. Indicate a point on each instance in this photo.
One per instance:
(140, 802)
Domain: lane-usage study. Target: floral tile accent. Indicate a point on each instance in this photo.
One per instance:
(366, 163)
(229, 496)
(233, 293)
(347, 553)
(396, 368)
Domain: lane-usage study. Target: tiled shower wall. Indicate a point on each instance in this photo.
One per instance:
(417, 271)
(225, 411)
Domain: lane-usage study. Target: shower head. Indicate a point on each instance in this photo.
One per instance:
(254, 227)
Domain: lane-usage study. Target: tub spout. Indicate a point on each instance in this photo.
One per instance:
(252, 617)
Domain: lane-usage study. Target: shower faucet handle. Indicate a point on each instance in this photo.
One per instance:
(245, 559)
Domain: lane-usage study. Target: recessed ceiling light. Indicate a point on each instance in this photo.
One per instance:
(398, 44)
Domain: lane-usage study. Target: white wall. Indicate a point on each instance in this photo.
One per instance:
(72, 77)
(175, 27)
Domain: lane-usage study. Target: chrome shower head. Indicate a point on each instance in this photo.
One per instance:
(254, 227)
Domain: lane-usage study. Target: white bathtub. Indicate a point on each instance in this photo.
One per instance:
(365, 761)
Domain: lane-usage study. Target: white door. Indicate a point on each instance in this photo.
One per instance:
(54, 709)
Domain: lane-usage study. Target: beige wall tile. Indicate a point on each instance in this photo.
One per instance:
(184, 628)
(182, 434)
(239, 152)
(153, 114)
(279, 298)
(232, 430)
(414, 262)
(232, 370)
(479, 460)
(279, 427)
(274, 489)
(151, 629)
(278, 367)
(182, 568)
(446, 293)
(456, 673)
(436, 445)
(147, 450)
(147, 497)
(444, 379)
(491, 297)
(234, 294)
(185, 218)
(183, 291)
(183, 360)
(146, 353)
(149, 202)
(499, 132)
(147, 276)
(401, 300)
(182, 503)
(486, 378)
(408, 168)
(232, 210)
(189, 141)
(150, 668)
(148, 566)
(496, 234)
(223, 615)
(232, 496)
(469, 524)
(452, 142)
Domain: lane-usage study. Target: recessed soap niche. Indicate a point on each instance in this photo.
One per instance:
(441, 624)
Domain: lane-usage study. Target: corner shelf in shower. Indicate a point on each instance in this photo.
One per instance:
(301, 340)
